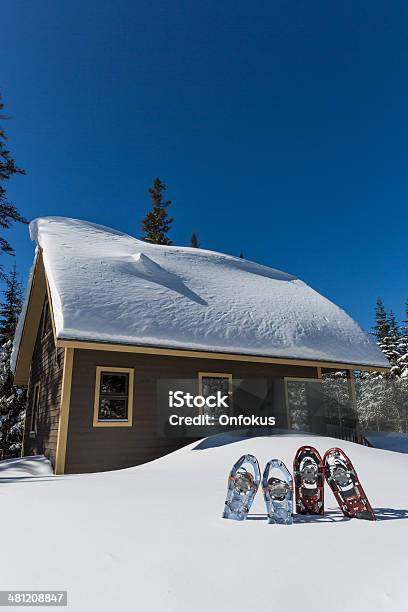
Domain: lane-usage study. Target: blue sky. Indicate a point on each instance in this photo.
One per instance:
(280, 129)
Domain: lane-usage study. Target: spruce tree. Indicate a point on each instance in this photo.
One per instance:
(157, 223)
(194, 241)
(381, 329)
(11, 307)
(383, 397)
(241, 255)
(393, 323)
(8, 212)
(403, 348)
(12, 399)
(390, 344)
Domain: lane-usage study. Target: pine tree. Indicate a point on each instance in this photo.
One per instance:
(8, 212)
(194, 241)
(383, 397)
(12, 399)
(382, 326)
(403, 347)
(157, 223)
(390, 344)
(241, 255)
(393, 323)
(11, 308)
(386, 332)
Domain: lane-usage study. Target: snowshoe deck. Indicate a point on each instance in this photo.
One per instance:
(308, 471)
(242, 487)
(343, 481)
(278, 493)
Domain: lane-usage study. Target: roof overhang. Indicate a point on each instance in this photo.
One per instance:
(152, 350)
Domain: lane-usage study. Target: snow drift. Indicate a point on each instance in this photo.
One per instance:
(152, 538)
(107, 286)
(25, 467)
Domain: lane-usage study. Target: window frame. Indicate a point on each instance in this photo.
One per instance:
(225, 375)
(98, 377)
(35, 405)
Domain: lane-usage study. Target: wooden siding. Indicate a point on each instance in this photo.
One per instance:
(46, 368)
(92, 449)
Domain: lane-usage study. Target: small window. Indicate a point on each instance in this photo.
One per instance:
(113, 397)
(212, 382)
(46, 325)
(34, 409)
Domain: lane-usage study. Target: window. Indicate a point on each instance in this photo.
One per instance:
(212, 382)
(320, 405)
(34, 409)
(46, 324)
(113, 397)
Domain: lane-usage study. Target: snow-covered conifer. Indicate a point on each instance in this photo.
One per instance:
(12, 399)
(157, 223)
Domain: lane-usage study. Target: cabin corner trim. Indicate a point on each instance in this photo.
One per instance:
(64, 411)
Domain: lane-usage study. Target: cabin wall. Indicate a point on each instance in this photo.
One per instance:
(46, 368)
(92, 449)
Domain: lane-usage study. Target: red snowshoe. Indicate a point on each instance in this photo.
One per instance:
(308, 471)
(343, 481)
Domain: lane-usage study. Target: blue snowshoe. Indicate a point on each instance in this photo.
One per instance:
(242, 487)
(278, 493)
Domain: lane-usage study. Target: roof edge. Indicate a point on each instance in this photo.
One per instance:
(169, 351)
(29, 321)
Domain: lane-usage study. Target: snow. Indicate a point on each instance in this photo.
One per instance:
(26, 467)
(107, 286)
(152, 538)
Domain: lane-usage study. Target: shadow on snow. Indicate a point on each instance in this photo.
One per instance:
(336, 516)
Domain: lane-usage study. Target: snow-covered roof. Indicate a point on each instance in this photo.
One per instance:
(109, 287)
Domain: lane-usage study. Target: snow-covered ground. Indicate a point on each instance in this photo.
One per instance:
(152, 538)
(25, 467)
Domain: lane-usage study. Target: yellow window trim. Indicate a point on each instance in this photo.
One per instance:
(129, 421)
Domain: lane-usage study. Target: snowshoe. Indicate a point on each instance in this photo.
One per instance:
(278, 493)
(242, 487)
(343, 481)
(308, 471)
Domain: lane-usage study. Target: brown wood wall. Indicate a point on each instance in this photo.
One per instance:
(47, 369)
(92, 449)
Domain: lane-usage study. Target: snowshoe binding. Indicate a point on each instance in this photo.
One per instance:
(343, 481)
(278, 493)
(242, 487)
(308, 471)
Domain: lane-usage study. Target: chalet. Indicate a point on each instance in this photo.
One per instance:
(107, 317)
